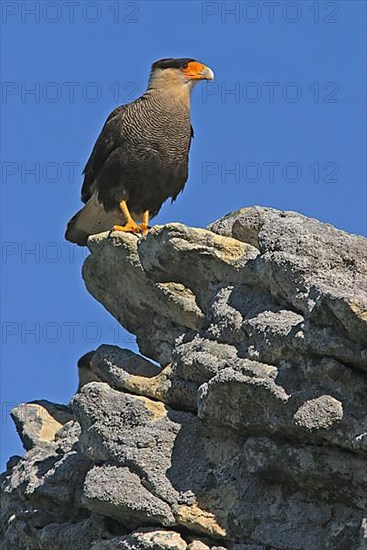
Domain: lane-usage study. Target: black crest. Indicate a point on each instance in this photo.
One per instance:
(171, 63)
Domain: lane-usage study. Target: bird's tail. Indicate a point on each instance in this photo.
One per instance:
(91, 219)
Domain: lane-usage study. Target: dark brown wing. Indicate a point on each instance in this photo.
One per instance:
(108, 140)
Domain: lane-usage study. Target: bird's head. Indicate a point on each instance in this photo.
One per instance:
(178, 72)
(86, 371)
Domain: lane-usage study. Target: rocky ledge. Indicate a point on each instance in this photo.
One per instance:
(243, 427)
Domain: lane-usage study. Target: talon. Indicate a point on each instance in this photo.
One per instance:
(143, 227)
(129, 227)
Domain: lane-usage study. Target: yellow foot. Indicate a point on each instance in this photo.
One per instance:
(129, 227)
(143, 227)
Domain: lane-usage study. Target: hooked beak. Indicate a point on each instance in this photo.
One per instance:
(207, 73)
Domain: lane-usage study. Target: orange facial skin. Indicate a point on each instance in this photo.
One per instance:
(195, 71)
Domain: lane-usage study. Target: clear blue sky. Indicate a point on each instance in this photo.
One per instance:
(292, 132)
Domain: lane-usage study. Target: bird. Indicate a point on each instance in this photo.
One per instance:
(140, 158)
(86, 370)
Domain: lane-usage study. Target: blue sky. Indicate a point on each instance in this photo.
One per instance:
(283, 125)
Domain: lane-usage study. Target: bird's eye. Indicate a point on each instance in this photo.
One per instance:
(185, 65)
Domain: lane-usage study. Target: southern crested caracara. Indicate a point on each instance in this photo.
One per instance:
(140, 158)
(86, 372)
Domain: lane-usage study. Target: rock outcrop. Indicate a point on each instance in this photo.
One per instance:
(243, 427)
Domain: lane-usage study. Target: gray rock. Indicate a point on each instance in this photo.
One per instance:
(160, 462)
(144, 539)
(78, 536)
(119, 493)
(39, 421)
(307, 263)
(318, 470)
(363, 535)
(244, 427)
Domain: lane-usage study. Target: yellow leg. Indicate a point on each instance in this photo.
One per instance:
(144, 225)
(126, 212)
(130, 226)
